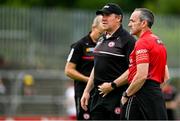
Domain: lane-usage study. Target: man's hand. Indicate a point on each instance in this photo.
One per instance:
(105, 88)
(84, 100)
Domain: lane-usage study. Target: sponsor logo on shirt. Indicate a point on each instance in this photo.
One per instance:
(90, 49)
(142, 55)
(141, 51)
(88, 57)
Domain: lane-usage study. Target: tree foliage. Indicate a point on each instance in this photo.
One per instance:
(164, 6)
(158, 6)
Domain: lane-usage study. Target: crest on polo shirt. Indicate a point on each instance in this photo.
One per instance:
(117, 110)
(86, 116)
(111, 44)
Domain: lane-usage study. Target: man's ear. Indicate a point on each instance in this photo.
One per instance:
(119, 17)
(144, 23)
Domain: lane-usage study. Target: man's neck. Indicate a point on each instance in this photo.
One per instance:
(142, 31)
(113, 30)
(93, 37)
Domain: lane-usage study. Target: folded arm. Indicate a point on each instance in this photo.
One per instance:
(70, 71)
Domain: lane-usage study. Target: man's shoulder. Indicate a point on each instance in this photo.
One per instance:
(126, 36)
(144, 42)
(123, 32)
(148, 38)
(81, 41)
(84, 39)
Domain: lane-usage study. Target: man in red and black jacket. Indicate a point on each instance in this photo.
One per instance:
(143, 99)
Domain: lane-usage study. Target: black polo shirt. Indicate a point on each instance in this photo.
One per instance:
(112, 56)
(81, 54)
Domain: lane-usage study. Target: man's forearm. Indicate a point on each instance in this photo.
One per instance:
(122, 79)
(139, 79)
(135, 86)
(73, 74)
(90, 84)
(70, 71)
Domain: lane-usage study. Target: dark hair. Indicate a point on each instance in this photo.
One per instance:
(146, 14)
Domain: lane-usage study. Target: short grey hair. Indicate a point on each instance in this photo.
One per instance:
(147, 15)
(97, 20)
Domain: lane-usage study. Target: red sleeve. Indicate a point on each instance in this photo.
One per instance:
(142, 51)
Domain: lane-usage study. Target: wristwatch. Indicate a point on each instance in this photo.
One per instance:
(125, 94)
(113, 85)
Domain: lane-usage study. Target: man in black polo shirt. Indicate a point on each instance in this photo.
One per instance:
(111, 60)
(80, 63)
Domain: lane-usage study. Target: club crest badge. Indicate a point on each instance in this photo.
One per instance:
(117, 110)
(111, 44)
(86, 116)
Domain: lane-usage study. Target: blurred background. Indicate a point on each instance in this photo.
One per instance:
(35, 39)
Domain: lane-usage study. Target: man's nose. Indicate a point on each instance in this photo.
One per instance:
(129, 24)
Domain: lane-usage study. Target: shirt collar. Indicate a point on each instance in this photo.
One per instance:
(146, 33)
(116, 33)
